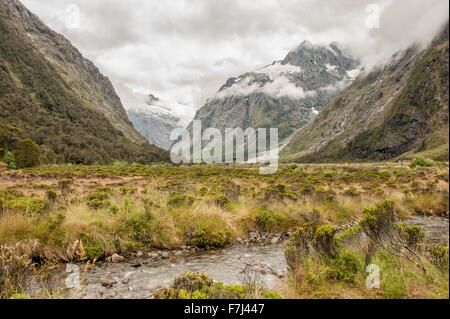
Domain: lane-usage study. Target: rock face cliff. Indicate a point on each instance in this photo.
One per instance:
(287, 94)
(154, 120)
(398, 110)
(59, 99)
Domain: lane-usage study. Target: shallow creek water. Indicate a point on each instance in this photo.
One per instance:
(122, 280)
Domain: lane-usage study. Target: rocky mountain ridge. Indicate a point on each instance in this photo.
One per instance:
(50, 93)
(287, 94)
(399, 109)
(154, 121)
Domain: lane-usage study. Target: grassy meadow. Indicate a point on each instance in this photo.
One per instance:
(65, 213)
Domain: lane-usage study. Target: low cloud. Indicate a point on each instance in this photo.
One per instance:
(184, 50)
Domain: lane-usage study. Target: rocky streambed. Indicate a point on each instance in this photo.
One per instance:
(141, 275)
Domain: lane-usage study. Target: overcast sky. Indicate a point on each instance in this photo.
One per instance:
(183, 50)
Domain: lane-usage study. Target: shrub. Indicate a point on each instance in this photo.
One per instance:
(137, 228)
(103, 189)
(64, 186)
(439, 256)
(192, 281)
(13, 270)
(269, 221)
(420, 161)
(54, 222)
(351, 192)
(379, 225)
(98, 195)
(221, 200)
(127, 190)
(93, 252)
(51, 195)
(203, 238)
(325, 194)
(181, 200)
(344, 268)
(279, 191)
(27, 154)
(298, 246)
(27, 205)
(350, 235)
(412, 235)
(98, 203)
(10, 160)
(202, 191)
(324, 241)
(201, 286)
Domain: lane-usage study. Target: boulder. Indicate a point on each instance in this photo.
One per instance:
(117, 258)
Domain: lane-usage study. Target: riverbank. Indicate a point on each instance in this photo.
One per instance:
(70, 213)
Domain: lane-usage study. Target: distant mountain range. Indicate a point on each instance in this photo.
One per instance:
(50, 93)
(154, 121)
(287, 94)
(326, 107)
(396, 111)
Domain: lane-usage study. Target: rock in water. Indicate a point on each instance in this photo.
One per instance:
(117, 258)
(275, 241)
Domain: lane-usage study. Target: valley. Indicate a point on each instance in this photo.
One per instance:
(95, 205)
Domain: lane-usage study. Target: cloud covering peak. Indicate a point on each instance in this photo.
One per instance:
(184, 50)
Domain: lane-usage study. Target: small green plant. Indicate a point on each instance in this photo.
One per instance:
(439, 256)
(30, 206)
(181, 200)
(378, 224)
(325, 241)
(299, 246)
(345, 267)
(204, 238)
(55, 221)
(420, 161)
(412, 235)
(93, 252)
(221, 200)
(269, 221)
(51, 195)
(201, 286)
(10, 160)
(64, 186)
(127, 190)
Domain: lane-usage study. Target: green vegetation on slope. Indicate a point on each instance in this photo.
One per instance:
(37, 103)
(414, 121)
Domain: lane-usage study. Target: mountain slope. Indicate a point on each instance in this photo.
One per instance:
(154, 121)
(286, 94)
(60, 100)
(400, 108)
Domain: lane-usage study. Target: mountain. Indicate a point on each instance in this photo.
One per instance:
(398, 110)
(50, 93)
(287, 94)
(154, 121)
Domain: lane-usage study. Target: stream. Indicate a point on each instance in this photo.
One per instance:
(139, 278)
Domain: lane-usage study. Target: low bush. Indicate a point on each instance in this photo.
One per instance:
(269, 221)
(10, 160)
(204, 238)
(27, 205)
(181, 200)
(201, 286)
(420, 161)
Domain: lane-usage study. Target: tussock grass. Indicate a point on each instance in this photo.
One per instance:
(121, 209)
